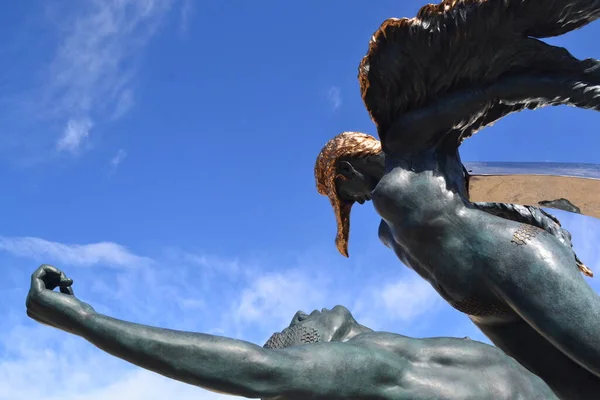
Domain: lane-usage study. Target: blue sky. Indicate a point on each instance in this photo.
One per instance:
(161, 153)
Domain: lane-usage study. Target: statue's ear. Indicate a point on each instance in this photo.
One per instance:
(346, 169)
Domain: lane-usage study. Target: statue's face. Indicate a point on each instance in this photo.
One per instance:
(359, 178)
(318, 326)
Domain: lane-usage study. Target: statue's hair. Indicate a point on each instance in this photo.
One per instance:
(346, 144)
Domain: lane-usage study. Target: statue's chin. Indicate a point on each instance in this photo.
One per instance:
(293, 336)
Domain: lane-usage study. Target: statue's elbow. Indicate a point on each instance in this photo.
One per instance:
(265, 377)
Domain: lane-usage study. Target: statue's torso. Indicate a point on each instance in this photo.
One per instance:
(434, 232)
(437, 368)
(455, 247)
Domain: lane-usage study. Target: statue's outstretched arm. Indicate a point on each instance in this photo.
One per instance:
(552, 296)
(214, 363)
(241, 368)
(224, 365)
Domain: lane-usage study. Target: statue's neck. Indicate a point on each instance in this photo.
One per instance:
(356, 330)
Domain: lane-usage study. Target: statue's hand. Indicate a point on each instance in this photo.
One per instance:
(60, 310)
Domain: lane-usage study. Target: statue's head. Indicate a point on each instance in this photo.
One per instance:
(347, 170)
(335, 325)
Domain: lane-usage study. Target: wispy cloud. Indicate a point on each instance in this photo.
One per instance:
(407, 299)
(187, 9)
(76, 370)
(279, 296)
(404, 299)
(92, 76)
(75, 133)
(334, 97)
(117, 159)
(105, 253)
(124, 104)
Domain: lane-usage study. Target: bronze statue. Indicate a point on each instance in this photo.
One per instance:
(325, 355)
(428, 83)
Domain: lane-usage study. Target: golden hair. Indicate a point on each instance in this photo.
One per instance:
(353, 144)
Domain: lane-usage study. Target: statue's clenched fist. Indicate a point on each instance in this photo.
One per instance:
(62, 309)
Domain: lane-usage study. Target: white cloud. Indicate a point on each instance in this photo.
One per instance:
(68, 368)
(92, 76)
(334, 97)
(277, 296)
(225, 266)
(403, 300)
(76, 131)
(407, 299)
(144, 385)
(117, 159)
(124, 104)
(104, 253)
(187, 9)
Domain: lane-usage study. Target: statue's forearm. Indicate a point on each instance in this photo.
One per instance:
(211, 362)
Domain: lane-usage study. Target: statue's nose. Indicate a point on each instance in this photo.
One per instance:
(299, 317)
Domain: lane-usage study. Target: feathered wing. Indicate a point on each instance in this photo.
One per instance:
(536, 217)
(496, 112)
(464, 64)
(547, 18)
(534, 18)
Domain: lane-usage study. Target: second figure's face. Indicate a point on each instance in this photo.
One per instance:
(318, 326)
(355, 183)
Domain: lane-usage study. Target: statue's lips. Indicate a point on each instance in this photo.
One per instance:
(472, 109)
